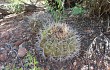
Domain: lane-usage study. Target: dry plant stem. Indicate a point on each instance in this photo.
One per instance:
(108, 1)
(31, 2)
(100, 8)
(108, 24)
(104, 10)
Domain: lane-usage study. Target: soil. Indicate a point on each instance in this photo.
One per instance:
(15, 32)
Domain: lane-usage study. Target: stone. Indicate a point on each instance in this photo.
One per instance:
(3, 57)
(22, 51)
(17, 43)
(6, 35)
(108, 67)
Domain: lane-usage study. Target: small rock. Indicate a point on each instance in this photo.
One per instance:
(3, 57)
(2, 49)
(22, 52)
(6, 35)
(107, 65)
(17, 43)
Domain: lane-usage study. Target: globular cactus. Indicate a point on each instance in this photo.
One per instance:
(60, 40)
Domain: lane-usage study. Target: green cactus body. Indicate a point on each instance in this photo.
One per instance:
(59, 41)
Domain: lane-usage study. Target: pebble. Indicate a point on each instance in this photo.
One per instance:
(22, 51)
(6, 35)
(3, 57)
(108, 67)
(17, 43)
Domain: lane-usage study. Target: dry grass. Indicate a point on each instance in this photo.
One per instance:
(99, 8)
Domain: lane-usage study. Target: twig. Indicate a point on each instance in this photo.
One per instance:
(108, 1)
(108, 27)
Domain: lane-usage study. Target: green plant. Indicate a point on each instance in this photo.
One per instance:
(59, 41)
(31, 61)
(20, 1)
(78, 9)
(15, 7)
(56, 9)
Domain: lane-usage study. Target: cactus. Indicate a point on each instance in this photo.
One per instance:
(59, 40)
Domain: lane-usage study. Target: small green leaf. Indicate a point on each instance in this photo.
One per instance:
(77, 10)
(35, 61)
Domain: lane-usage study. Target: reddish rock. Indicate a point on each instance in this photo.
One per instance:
(108, 67)
(22, 52)
(6, 35)
(3, 57)
(17, 43)
(4, 40)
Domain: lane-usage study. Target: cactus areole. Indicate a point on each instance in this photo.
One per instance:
(60, 41)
